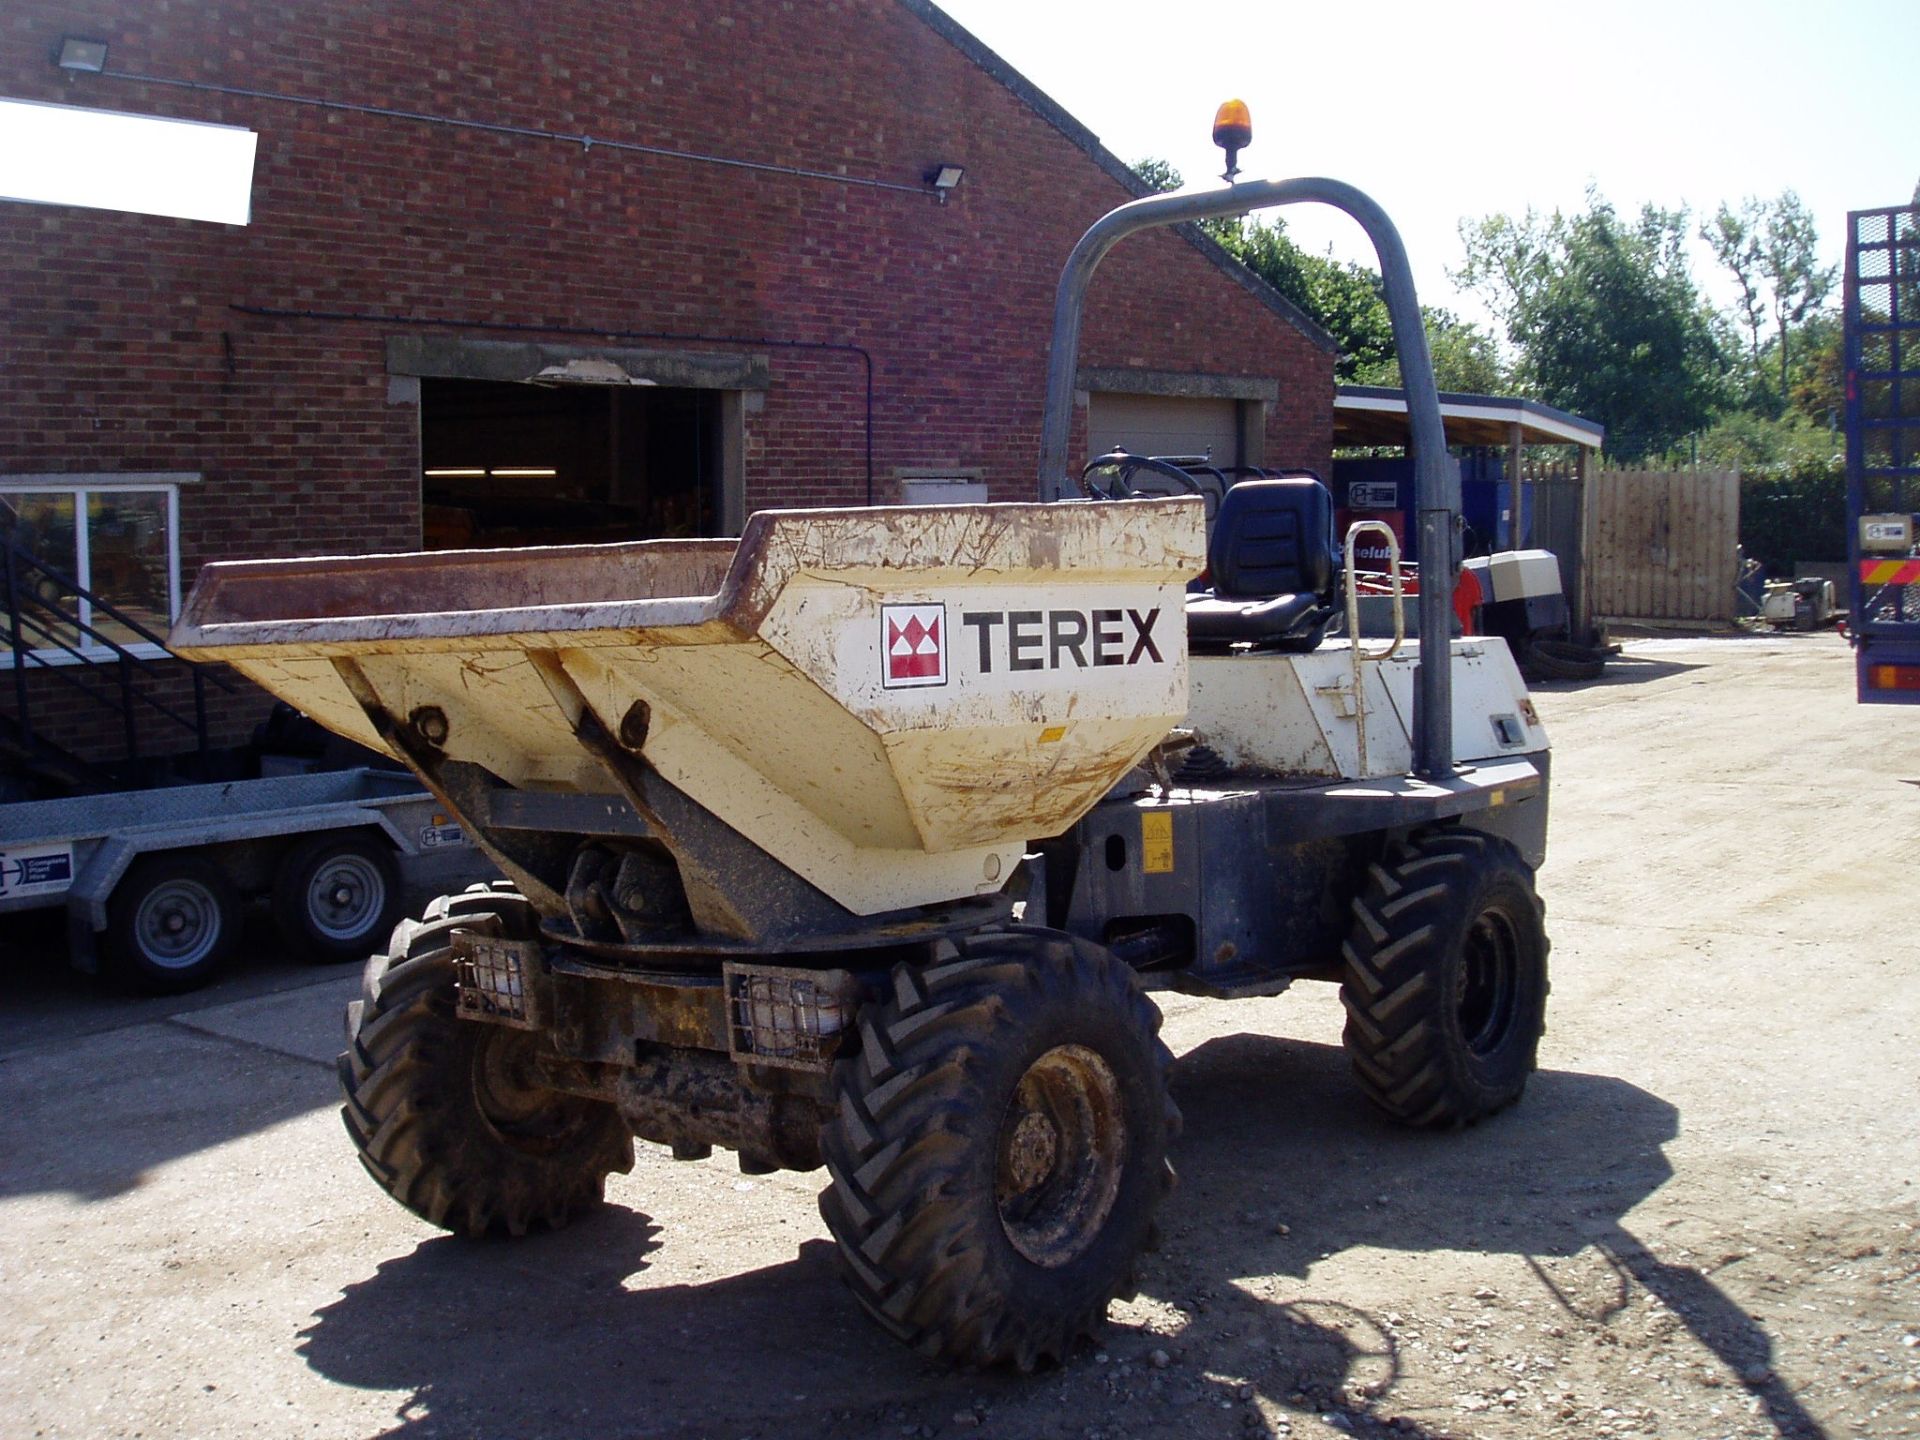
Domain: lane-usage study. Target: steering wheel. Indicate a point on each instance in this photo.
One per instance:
(1124, 466)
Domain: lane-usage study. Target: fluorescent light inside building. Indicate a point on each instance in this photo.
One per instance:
(455, 474)
(105, 160)
(525, 474)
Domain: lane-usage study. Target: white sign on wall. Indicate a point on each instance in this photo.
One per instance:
(104, 160)
(1373, 495)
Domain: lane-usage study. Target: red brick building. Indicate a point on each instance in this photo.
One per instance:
(574, 271)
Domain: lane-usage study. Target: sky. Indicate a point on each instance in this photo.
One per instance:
(1448, 110)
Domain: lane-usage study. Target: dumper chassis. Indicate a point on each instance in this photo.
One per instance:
(862, 843)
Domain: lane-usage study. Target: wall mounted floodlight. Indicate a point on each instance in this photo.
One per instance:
(943, 178)
(76, 53)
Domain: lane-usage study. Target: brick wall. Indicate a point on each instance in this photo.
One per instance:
(123, 351)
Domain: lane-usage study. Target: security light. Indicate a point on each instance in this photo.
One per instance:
(79, 54)
(943, 178)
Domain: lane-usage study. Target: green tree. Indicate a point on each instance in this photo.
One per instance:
(1734, 237)
(1749, 441)
(1771, 248)
(1817, 384)
(1465, 357)
(1789, 259)
(1160, 175)
(1605, 317)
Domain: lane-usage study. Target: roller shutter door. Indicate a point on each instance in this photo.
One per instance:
(1163, 425)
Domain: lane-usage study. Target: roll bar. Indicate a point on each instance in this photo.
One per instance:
(1436, 481)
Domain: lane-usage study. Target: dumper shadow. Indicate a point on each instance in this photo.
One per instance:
(557, 1336)
(1552, 1180)
(1623, 669)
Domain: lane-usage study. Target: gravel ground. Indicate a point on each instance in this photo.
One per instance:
(1700, 1222)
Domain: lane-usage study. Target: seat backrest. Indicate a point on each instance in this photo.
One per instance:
(1273, 537)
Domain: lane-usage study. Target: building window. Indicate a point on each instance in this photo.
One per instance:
(94, 563)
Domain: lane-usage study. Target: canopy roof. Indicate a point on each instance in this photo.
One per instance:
(1377, 415)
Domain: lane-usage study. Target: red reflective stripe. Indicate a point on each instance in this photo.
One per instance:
(1890, 572)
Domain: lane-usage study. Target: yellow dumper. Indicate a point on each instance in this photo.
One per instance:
(861, 842)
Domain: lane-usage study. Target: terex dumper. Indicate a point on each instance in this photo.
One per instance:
(862, 842)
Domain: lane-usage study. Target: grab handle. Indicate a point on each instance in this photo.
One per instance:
(1353, 592)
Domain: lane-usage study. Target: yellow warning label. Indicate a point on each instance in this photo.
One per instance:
(1156, 842)
(1053, 734)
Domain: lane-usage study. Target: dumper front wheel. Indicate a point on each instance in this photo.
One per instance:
(1000, 1147)
(1445, 979)
(448, 1115)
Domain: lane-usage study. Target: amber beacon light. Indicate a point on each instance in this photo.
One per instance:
(1233, 132)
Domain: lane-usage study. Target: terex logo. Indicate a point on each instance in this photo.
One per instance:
(1050, 639)
(916, 645)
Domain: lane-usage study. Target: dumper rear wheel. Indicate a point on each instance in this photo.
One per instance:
(1000, 1147)
(1444, 979)
(447, 1114)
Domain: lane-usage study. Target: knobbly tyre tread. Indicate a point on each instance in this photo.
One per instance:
(911, 1152)
(405, 1077)
(1402, 1035)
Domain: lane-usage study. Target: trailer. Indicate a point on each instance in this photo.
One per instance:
(154, 881)
(1883, 451)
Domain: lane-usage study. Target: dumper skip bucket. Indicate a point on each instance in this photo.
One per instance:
(891, 702)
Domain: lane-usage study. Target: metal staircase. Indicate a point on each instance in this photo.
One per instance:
(49, 633)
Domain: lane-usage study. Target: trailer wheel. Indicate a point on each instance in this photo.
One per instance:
(336, 896)
(1445, 979)
(172, 923)
(446, 1113)
(1000, 1147)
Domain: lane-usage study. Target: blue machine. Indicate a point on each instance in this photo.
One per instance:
(1883, 451)
(1493, 514)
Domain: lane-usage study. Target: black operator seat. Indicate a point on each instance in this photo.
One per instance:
(1273, 564)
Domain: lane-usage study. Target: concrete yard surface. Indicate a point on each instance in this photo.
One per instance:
(1699, 1222)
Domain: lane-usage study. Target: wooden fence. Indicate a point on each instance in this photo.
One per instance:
(1658, 545)
(1555, 521)
(1664, 545)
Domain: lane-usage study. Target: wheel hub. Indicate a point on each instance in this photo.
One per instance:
(1062, 1152)
(345, 897)
(1032, 1151)
(178, 924)
(1486, 990)
(510, 1093)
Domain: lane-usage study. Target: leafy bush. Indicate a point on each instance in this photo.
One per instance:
(1796, 512)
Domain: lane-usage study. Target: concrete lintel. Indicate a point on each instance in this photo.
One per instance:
(1127, 381)
(450, 357)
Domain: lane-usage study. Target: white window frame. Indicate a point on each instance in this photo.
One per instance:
(80, 487)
